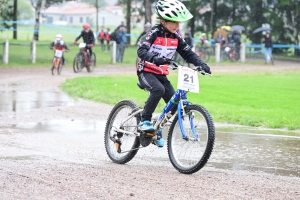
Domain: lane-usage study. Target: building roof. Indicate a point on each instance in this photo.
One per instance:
(77, 8)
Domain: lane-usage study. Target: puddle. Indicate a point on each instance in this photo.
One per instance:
(26, 101)
(261, 151)
(82, 141)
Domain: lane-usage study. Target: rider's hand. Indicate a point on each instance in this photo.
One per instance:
(205, 68)
(159, 61)
(89, 45)
(75, 42)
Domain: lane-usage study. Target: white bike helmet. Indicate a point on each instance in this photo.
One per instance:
(172, 10)
(58, 37)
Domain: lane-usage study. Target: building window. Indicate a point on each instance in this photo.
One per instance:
(87, 19)
(71, 20)
(61, 18)
(81, 20)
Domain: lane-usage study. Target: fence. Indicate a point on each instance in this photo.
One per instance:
(38, 52)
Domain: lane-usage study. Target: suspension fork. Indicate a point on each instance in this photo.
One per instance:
(181, 114)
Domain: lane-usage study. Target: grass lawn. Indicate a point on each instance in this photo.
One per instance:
(268, 99)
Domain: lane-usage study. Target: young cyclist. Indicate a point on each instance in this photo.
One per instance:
(59, 44)
(87, 36)
(161, 42)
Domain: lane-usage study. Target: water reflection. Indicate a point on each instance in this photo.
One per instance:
(255, 152)
(26, 101)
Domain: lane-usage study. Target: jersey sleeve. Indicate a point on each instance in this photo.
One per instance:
(186, 52)
(92, 37)
(79, 36)
(51, 45)
(145, 44)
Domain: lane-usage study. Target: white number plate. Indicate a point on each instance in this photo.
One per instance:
(58, 54)
(188, 79)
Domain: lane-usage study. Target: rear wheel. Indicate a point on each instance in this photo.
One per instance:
(191, 154)
(78, 63)
(121, 147)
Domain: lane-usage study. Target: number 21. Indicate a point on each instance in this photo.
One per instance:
(186, 78)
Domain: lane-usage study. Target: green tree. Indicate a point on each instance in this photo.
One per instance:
(291, 17)
(127, 3)
(37, 5)
(97, 4)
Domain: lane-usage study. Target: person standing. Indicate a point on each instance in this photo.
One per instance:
(121, 43)
(102, 36)
(147, 28)
(268, 47)
(107, 38)
(236, 38)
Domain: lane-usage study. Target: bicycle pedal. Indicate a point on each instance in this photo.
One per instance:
(149, 134)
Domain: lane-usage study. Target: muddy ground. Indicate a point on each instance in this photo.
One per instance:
(52, 148)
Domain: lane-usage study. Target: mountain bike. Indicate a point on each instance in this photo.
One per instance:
(84, 59)
(229, 53)
(56, 63)
(203, 53)
(191, 135)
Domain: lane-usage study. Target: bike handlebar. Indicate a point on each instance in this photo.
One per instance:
(173, 65)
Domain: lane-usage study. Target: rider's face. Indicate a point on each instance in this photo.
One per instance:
(86, 30)
(171, 26)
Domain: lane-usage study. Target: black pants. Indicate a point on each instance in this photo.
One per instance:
(159, 87)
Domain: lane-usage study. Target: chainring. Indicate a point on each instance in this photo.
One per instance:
(146, 138)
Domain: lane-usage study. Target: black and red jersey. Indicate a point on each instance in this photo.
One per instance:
(160, 42)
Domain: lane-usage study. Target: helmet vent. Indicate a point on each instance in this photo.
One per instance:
(172, 4)
(161, 9)
(168, 15)
(174, 13)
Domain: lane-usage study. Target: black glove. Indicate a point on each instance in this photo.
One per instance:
(159, 61)
(205, 68)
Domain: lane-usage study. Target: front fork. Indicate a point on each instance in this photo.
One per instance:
(181, 114)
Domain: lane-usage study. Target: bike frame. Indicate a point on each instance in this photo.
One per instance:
(179, 98)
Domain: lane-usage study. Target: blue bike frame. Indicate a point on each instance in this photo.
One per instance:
(179, 98)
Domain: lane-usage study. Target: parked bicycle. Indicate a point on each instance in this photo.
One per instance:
(191, 134)
(230, 54)
(84, 59)
(57, 62)
(203, 53)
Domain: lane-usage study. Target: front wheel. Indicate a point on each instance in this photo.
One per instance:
(122, 147)
(78, 63)
(92, 66)
(59, 67)
(189, 155)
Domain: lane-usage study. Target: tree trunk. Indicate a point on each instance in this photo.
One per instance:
(213, 20)
(233, 10)
(128, 19)
(295, 32)
(258, 18)
(15, 19)
(211, 17)
(194, 12)
(97, 20)
(148, 11)
(37, 8)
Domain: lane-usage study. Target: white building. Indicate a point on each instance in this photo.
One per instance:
(77, 13)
